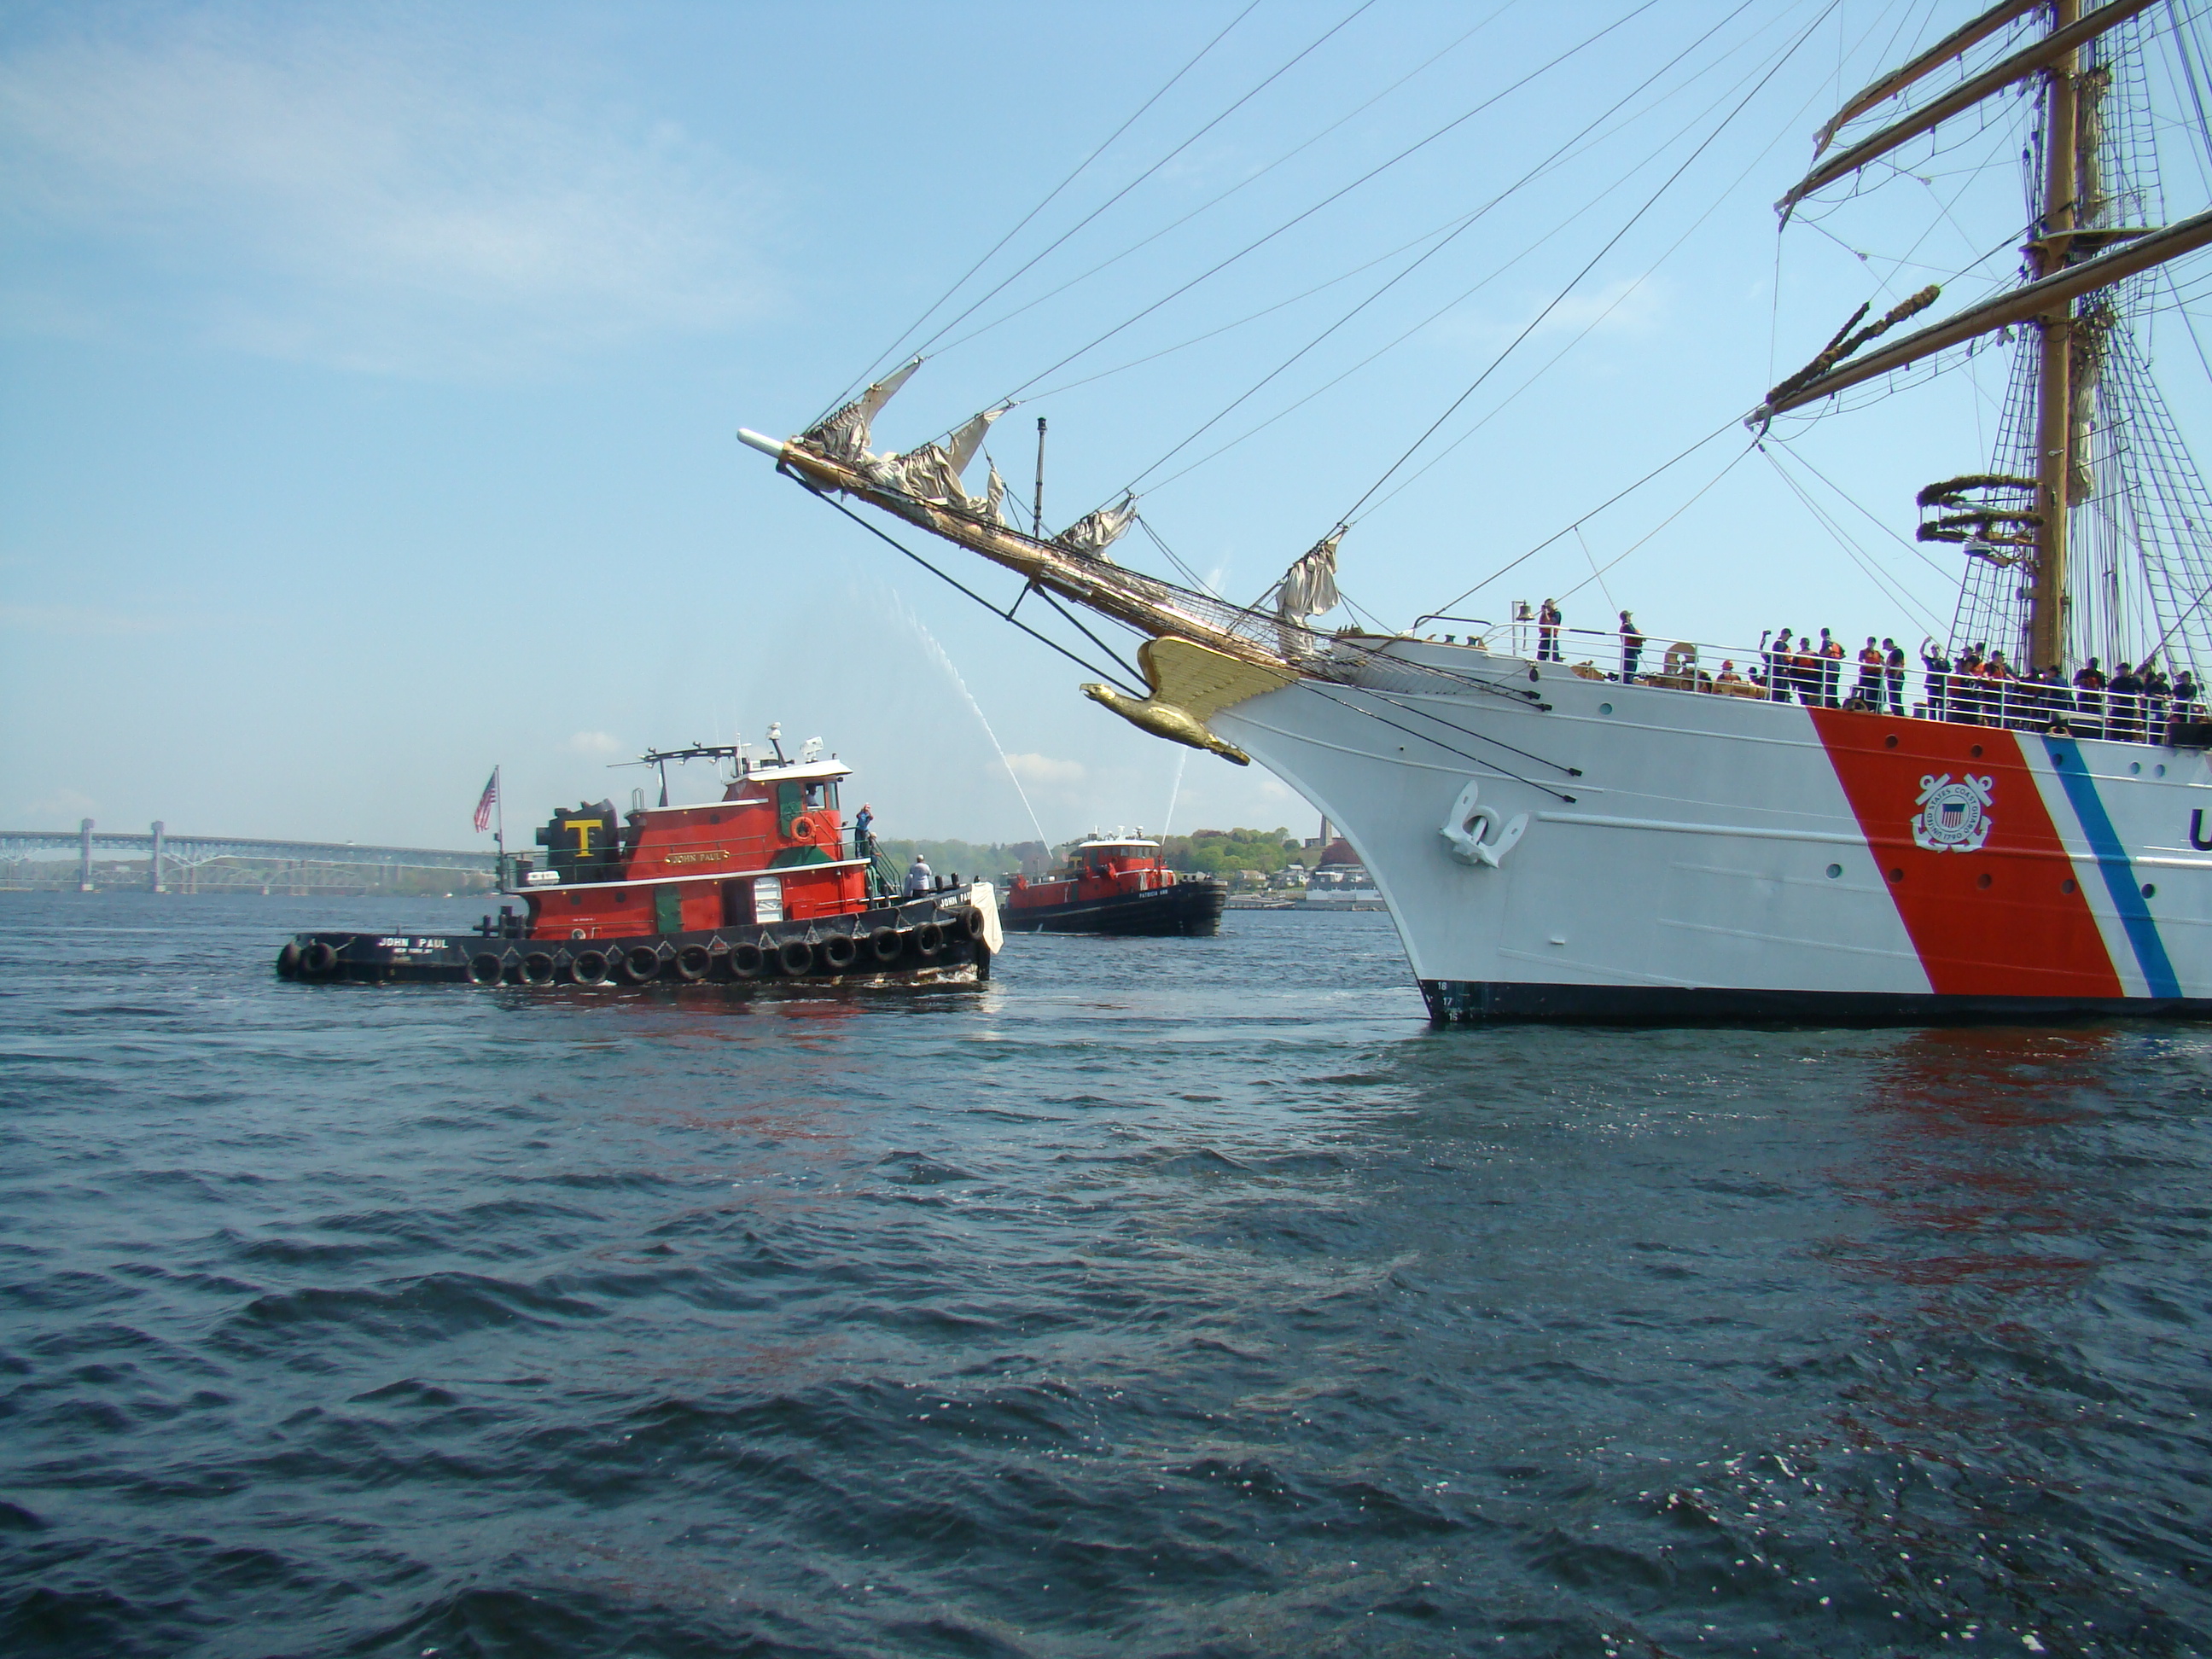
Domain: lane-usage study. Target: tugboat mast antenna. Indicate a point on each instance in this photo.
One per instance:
(1036, 514)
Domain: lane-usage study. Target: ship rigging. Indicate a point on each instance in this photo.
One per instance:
(2084, 538)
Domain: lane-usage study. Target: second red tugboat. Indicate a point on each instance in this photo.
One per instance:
(761, 885)
(1117, 886)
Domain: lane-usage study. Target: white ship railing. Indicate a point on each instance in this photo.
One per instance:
(1760, 673)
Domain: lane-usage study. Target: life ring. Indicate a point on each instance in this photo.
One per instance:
(887, 944)
(486, 969)
(538, 969)
(746, 961)
(971, 920)
(640, 964)
(692, 963)
(288, 959)
(319, 958)
(795, 956)
(591, 967)
(840, 951)
(803, 828)
(928, 940)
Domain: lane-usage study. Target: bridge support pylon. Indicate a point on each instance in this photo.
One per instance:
(84, 856)
(158, 829)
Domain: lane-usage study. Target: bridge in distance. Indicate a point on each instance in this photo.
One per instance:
(166, 853)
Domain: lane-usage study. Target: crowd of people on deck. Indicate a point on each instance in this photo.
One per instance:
(2134, 702)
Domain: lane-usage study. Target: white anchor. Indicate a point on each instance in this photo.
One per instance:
(1472, 834)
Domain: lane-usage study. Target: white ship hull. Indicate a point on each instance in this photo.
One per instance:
(1729, 859)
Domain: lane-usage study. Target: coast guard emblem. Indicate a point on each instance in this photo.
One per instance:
(1953, 817)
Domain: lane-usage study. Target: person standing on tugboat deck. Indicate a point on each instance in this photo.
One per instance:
(921, 879)
(862, 846)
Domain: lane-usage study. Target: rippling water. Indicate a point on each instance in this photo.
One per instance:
(1163, 1297)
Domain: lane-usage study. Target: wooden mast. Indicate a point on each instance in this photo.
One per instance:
(2054, 421)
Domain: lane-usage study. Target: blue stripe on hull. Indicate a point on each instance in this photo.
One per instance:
(2159, 977)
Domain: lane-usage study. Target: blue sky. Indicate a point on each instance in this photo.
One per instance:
(370, 375)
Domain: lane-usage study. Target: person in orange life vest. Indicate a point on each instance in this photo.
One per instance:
(1831, 668)
(1870, 668)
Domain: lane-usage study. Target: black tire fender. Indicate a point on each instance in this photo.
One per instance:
(486, 969)
(288, 959)
(591, 967)
(319, 958)
(795, 956)
(640, 964)
(928, 940)
(971, 920)
(887, 942)
(839, 951)
(746, 961)
(693, 961)
(538, 969)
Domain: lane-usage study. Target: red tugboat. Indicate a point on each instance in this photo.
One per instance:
(761, 885)
(1117, 886)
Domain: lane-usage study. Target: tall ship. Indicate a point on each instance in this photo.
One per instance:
(1115, 884)
(770, 885)
(2022, 836)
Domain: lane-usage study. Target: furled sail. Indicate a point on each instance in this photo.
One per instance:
(2052, 48)
(1309, 586)
(932, 473)
(1094, 532)
(2017, 306)
(843, 434)
(1954, 44)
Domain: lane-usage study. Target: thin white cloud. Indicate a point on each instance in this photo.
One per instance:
(595, 744)
(1626, 305)
(62, 803)
(370, 193)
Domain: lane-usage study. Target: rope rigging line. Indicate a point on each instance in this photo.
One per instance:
(1480, 737)
(1449, 226)
(1598, 575)
(892, 350)
(1913, 548)
(1249, 179)
(1506, 401)
(1568, 530)
(1892, 591)
(1335, 195)
(1559, 299)
(1053, 246)
(1004, 616)
(1542, 167)
(1423, 736)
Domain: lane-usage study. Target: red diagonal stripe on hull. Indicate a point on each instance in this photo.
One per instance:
(2029, 932)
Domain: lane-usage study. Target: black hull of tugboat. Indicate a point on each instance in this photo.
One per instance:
(941, 939)
(1188, 907)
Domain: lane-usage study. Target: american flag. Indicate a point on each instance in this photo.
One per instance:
(486, 800)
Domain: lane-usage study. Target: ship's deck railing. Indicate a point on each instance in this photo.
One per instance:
(1760, 673)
